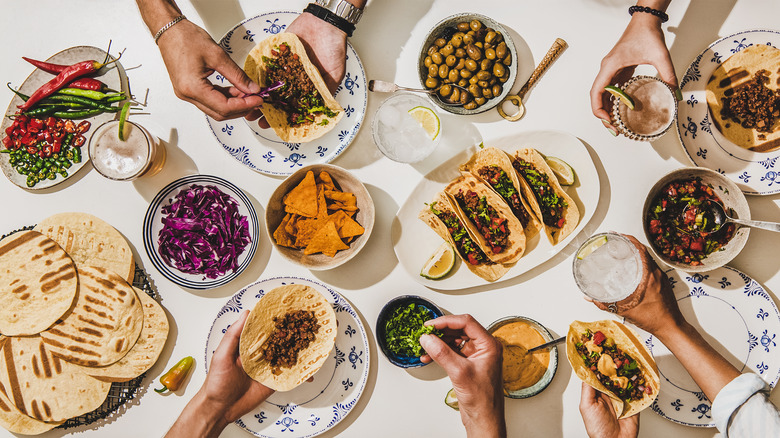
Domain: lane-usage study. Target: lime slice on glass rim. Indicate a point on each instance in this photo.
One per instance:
(590, 247)
(440, 263)
(620, 94)
(451, 399)
(562, 170)
(122, 119)
(427, 119)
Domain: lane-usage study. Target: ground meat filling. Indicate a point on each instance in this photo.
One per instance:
(486, 219)
(551, 205)
(463, 242)
(299, 97)
(753, 105)
(501, 183)
(292, 333)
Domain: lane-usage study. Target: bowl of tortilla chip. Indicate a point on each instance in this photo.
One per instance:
(320, 216)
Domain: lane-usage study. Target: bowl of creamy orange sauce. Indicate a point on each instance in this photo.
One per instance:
(524, 374)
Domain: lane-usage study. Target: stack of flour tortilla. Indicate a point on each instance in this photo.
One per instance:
(70, 321)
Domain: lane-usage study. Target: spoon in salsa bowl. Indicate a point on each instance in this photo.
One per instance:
(719, 218)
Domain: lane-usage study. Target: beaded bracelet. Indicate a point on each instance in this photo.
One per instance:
(660, 14)
(168, 26)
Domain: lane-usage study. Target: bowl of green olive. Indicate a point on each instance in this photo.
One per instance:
(470, 59)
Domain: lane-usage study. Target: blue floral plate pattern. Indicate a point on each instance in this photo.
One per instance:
(262, 150)
(756, 173)
(313, 407)
(738, 317)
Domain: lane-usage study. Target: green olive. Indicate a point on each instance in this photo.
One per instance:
(428, 61)
(465, 73)
(508, 59)
(475, 25)
(499, 70)
(464, 26)
(464, 97)
(461, 64)
(487, 93)
(499, 38)
(471, 65)
(443, 71)
(455, 96)
(491, 35)
(479, 44)
(486, 65)
(493, 81)
(497, 89)
(431, 82)
(474, 52)
(468, 39)
(447, 50)
(463, 82)
(475, 90)
(483, 75)
(470, 105)
(480, 100)
(440, 42)
(453, 75)
(473, 80)
(445, 91)
(483, 84)
(437, 58)
(451, 60)
(490, 54)
(460, 52)
(501, 50)
(503, 79)
(433, 70)
(432, 50)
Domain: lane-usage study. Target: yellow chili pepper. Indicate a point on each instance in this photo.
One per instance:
(171, 381)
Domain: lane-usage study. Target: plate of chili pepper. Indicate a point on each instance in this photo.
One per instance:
(53, 113)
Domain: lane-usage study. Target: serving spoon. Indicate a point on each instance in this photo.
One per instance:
(548, 344)
(389, 87)
(720, 218)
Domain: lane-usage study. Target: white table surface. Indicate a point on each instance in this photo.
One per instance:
(395, 401)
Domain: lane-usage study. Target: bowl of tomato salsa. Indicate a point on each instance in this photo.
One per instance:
(679, 227)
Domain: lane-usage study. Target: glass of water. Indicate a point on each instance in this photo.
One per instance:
(397, 134)
(608, 268)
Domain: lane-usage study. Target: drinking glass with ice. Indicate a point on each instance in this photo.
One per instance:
(398, 135)
(608, 268)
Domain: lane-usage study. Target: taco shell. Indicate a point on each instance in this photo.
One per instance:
(260, 325)
(734, 72)
(571, 213)
(496, 157)
(516, 243)
(255, 69)
(629, 342)
(487, 271)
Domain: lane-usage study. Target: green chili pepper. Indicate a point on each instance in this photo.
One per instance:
(172, 380)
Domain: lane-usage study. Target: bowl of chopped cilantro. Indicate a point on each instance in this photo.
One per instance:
(399, 327)
(677, 223)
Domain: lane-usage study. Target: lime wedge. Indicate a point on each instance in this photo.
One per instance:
(620, 94)
(428, 119)
(451, 399)
(562, 170)
(590, 247)
(122, 118)
(440, 263)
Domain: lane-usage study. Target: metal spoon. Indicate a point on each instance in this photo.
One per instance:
(548, 344)
(389, 87)
(720, 218)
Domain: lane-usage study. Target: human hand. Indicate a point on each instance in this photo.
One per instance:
(475, 371)
(653, 306)
(641, 43)
(600, 419)
(191, 56)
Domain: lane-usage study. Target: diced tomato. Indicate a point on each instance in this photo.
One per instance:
(8, 142)
(472, 259)
(598, 338)
(496, 249)
(697, 245)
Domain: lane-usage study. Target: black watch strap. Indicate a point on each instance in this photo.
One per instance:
(329, 17)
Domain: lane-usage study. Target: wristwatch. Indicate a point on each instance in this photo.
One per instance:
(343, 9)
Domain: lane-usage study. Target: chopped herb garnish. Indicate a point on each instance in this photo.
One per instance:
(404, 328)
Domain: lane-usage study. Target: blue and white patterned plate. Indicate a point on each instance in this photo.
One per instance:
(754, 172)
(262, 150)
(313, 407)
(738, 317)
(153, 224)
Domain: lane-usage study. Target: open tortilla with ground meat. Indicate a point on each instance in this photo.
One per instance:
(509, 250)
(629, 343)
(735, 72)
(260, 326)
(255, 68)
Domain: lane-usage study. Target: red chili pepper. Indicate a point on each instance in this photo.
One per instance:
(32, 150)
(79, 141)
(83, 127)
(67, 75)
(70, 126)
(8, 142)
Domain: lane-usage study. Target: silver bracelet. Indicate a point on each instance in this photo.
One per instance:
(168, 26)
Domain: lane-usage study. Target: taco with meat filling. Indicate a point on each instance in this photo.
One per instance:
(441, 217)
(610, 357)
(488, 218)
(557, 211)
(287, 336)
(493, 167)
(302, 109)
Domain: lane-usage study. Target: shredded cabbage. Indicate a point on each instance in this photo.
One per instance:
(203, 233)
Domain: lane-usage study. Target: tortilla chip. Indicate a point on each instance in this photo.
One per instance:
(303, 198)
(307, 229)
(325, 179)
(345, 225)
(322, 206)
(326, 241)
(282, 236)
(291, 226)
(341, 198)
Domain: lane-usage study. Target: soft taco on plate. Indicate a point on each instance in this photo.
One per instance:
(557, 211)
(488, 218)
(441, 217)
(302, 109)
(610, 357)
(494, 168)
(274, 356)
(742, 95)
